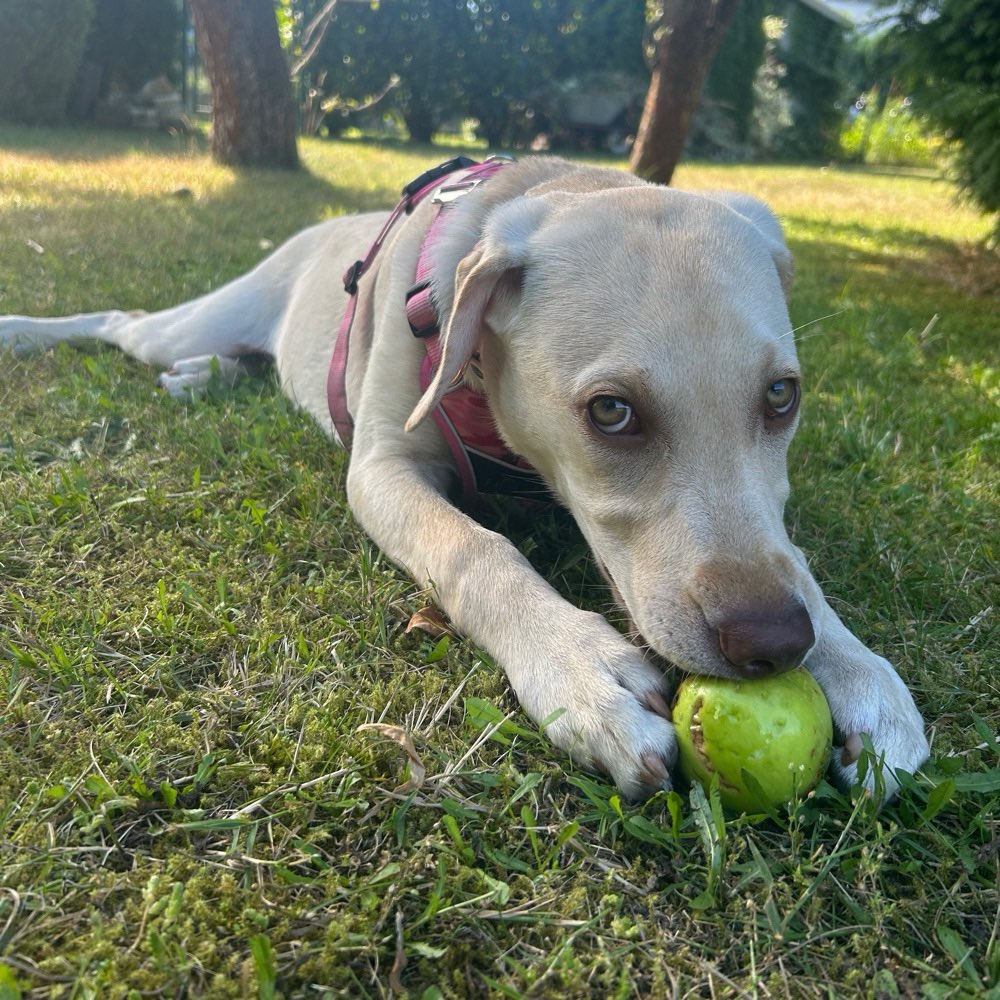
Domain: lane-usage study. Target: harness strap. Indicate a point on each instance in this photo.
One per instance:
(483, 461)
(412, 195)
(420, 309)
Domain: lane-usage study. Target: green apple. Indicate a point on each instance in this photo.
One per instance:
(767, 739)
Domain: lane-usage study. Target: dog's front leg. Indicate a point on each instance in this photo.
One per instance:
(867, 698)
(597, 696)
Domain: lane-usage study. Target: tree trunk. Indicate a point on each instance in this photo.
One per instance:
(690, 32)
(253, 116)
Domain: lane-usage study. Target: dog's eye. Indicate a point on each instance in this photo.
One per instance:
(782, 397)
(612, 415)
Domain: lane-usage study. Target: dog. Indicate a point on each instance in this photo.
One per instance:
(630, 346)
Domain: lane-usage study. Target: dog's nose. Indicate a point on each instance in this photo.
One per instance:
(758, 643)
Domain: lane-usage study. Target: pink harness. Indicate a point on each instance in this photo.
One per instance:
(483, 462)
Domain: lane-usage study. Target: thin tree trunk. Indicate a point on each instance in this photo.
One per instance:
(690, 32)
(253, 115)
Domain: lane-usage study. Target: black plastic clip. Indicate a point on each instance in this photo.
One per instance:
(436, 173)
(352, 276)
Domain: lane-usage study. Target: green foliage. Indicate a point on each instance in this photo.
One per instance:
(40, 48)
(731, 78)
(950, 52)
(812, 48)
(495, 62)
(774, 89)
(419, 40)
(892, 135)
(132, 41)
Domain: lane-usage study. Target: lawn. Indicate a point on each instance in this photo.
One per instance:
(227, 768)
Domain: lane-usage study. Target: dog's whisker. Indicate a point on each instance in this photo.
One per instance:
(812, 322)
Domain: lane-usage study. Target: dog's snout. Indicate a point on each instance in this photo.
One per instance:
(758, 643)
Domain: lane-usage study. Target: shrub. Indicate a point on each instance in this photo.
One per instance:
(895, 136)
(40, 49)
(951, 59)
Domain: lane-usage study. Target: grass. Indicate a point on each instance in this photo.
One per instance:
(227, 769)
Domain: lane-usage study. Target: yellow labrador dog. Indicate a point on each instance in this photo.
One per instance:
(628, 342)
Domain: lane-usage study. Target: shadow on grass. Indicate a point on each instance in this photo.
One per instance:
(72, 143)
(896, 276)
(71, 243)
(250, 188)
(971, 268)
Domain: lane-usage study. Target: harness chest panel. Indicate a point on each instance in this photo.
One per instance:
(483, 461)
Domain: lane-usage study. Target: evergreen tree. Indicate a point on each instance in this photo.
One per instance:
(950, 51)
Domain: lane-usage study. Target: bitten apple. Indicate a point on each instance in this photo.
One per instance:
(767, 739)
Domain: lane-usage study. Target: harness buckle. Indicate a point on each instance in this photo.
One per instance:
(352, 275)
(448, 193)
(420, 311)
(435, 173)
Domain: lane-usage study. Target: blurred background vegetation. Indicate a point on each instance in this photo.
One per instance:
(795, 80)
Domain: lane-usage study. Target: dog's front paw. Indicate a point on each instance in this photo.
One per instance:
(882, 711)
(603, 703)
(629, 738)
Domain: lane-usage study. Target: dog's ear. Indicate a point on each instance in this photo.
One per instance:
(766, 223)
(487, 280)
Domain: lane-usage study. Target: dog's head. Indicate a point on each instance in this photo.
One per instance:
(636, 348)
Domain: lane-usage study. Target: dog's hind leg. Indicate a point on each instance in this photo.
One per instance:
(28, 334)
(190, 375)
(189, 341)
(193, 340)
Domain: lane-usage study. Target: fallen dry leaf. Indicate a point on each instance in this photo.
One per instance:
(399, 963)
(399, 735)
(429, 620)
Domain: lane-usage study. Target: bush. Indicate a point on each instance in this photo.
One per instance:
(40, 49)
(502, 64)
(130, 43)
(894, 136)
(730, 82)
(951, 58)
